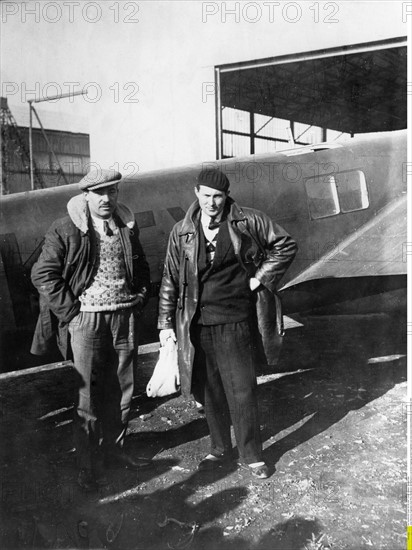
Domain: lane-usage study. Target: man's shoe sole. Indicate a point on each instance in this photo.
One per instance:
(210, 464)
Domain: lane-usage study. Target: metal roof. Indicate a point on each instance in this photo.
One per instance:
(354, 89)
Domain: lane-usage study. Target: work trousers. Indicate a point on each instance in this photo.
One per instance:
(104, 346)
(224, 381)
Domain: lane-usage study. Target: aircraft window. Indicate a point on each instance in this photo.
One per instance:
(352, 190)
(145, 219)
(323, 196)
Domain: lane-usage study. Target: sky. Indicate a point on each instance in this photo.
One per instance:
(146, 65)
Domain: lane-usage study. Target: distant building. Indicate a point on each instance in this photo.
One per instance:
(71, 149)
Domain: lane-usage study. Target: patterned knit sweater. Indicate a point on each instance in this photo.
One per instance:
(109, 290)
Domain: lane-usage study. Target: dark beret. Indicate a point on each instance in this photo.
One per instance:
(214, 178)
(102, 177)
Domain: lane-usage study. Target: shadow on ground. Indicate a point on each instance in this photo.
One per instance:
(327, 368)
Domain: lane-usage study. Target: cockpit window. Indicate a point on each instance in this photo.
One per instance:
(341, 192)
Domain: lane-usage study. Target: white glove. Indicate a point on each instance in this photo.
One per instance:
(165, 334)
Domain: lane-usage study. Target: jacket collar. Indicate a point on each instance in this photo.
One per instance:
(190, 221)
(79, 213)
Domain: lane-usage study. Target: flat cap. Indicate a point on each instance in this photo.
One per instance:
(102, 177)
(214, 178)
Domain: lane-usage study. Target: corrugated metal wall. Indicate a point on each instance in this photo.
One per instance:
(72, 150)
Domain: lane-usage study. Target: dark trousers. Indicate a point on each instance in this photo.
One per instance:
(224, 381)
(104, 346)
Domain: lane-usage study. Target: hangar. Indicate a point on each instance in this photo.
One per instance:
(270, 104)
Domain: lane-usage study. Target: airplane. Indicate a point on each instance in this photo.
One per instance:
(343, 202)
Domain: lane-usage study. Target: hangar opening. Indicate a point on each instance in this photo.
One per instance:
(272, 104)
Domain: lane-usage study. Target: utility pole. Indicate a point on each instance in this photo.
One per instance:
(10, 133)
(33, 110)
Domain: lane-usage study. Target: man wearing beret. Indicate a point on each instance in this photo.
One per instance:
(93, 280)
(219, 258)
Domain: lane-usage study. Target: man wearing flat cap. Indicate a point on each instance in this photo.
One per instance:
(93, 280)
(219, 258)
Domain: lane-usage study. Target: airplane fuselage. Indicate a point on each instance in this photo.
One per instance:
(344, 203)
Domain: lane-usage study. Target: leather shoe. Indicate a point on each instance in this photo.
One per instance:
(86, 481)
(260, 471)
(122, 459)
(211, 462)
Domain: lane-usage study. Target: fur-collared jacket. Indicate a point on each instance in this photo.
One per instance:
(66, 265)
(263, 249)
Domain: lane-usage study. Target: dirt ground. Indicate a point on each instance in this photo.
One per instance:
(333, 420)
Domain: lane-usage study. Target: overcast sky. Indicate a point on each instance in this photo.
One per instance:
(145, 64)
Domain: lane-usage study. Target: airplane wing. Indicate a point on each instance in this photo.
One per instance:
(377, 248)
